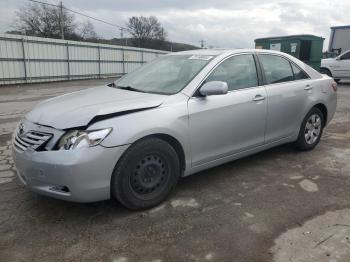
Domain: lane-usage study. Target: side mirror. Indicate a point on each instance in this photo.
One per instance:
(338, 58)
(214, 88)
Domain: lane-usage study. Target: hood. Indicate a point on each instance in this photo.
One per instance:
(79, 108)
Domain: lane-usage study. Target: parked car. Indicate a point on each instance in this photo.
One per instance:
(338, 68)
(175, 116)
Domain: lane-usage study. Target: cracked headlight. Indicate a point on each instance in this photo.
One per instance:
(82, 138)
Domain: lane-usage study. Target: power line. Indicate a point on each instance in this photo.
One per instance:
(79, 13)
(102, 21)
(43, 3)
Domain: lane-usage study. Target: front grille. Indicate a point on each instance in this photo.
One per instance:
(32, 139)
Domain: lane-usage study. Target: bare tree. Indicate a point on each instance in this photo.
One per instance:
(87, 31)
(144, 29)
(44, 20)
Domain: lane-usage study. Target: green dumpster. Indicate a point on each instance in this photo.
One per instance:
(307, 48)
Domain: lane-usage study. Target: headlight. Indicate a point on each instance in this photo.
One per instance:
(82, 138)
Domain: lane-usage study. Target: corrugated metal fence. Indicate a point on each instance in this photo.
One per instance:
(26, 59)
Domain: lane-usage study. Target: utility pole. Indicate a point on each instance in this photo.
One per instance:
(122, 34)
(61, 20)
(202, 43)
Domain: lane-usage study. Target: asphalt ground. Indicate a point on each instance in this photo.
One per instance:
(278, 205)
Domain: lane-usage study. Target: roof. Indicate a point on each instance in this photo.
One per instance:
(288, 36)
(212, 52)
(216, 52)
(340, 27)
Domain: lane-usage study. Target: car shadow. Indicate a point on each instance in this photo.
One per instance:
(217, 172)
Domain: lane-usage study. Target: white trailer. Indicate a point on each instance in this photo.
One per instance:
(339, 41)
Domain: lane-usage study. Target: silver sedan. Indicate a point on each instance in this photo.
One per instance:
(180, 114)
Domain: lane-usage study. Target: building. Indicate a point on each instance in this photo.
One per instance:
(339, 40)
(307, 48)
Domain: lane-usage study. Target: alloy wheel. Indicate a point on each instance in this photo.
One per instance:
(312, 129)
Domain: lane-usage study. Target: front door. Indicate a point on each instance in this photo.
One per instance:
(222, 125)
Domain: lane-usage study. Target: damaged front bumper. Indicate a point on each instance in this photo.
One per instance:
(80, 175)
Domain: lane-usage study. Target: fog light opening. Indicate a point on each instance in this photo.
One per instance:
(62, 189)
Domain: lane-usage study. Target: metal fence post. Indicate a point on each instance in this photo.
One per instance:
(99, 61)
(123, 52)
(68, 65)
(142, 58)
(24, 61)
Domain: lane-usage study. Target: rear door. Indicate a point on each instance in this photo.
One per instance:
(288, 88)
(221, 125)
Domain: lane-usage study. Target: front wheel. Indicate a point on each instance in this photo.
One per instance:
(145, 174)
(311, 130)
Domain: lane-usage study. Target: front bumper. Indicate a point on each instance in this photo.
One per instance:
(80, 175)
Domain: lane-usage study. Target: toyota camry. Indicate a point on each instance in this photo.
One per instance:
(182, 113)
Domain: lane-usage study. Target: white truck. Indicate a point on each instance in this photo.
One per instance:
(338, 67)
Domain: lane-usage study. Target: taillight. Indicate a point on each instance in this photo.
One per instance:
(334, 86)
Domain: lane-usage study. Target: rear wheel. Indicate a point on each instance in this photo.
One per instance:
(311, 130)
(145, 174)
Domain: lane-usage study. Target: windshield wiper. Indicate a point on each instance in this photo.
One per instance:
(130, 88)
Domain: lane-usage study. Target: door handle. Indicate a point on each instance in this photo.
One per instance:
(308, 87)
(258, 98)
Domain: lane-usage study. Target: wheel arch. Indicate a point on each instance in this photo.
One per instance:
(323, 109)
(319, 105)
(172, 141)
(324, 68)
(175, 144)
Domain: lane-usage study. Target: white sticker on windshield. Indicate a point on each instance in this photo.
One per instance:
(201, 57)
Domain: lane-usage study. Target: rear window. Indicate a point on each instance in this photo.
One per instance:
(298, 73)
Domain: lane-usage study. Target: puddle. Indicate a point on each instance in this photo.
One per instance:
(308, 185)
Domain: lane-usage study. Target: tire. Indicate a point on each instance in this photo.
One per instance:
(146, 174)
(310, 130)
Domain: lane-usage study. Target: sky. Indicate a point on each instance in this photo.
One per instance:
(220, 23)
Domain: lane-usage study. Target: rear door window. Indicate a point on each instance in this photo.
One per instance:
(276, 69)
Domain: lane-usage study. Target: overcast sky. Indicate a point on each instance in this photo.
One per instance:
(221, 23)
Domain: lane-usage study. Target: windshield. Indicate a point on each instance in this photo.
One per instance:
(165, 75)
